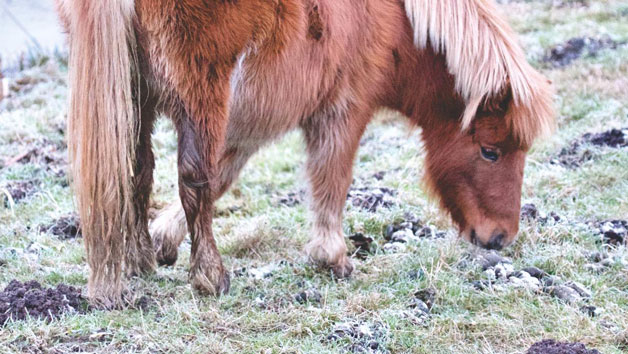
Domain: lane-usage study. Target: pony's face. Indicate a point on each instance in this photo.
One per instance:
(477, 174)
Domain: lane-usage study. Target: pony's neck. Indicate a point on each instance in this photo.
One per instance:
(425, 90)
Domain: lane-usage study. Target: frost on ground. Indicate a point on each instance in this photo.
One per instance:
(560, 288)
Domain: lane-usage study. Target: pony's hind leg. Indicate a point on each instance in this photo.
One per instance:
(139, 252)
(331, 147)
(170, 227)
(196, 188)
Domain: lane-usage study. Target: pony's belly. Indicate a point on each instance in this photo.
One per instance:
(268, 100)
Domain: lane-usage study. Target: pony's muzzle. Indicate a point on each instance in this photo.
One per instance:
(496, 242)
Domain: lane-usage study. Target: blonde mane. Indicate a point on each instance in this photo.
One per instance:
(483, 56)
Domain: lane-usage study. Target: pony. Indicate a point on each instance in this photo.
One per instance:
(236, 75)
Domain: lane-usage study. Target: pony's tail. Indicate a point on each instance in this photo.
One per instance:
(102, 126)
(485, 60)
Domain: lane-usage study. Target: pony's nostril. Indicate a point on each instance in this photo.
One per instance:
(496, 242)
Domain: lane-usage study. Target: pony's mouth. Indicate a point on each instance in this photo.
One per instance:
(497, 241)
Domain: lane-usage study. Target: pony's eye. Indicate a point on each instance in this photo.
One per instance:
(489, 154)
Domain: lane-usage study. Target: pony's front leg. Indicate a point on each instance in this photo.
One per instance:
(331, 146)
(199, 141)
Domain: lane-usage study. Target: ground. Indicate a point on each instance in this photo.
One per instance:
(414, 289)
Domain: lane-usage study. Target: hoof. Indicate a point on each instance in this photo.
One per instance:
(166, 258)
(212, 283)
(342, 269)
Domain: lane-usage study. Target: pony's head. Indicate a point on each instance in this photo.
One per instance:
(477, 139)
(476, 171)
(477, 174)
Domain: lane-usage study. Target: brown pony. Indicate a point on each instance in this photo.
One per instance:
(235, 75)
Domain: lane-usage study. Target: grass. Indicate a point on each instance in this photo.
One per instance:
(252, 230)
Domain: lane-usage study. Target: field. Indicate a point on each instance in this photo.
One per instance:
(427, 294)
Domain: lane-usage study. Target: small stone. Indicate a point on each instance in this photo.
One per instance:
(312, 296)
(503, 270)
(525, 282)
(389, 231)
(405, 225)
(262, 272)
(591, 310)
(416, 274)
(403, 236)
(364, 331)
(535, 272)
(490, 259)
(362, 245)
(394, 247)
(427, 295)
(419, 305)
(481, 284)
(581, 289)
(565, 293)
(490, 274)
(426, 231)
(259, 301)
(550, 280)
(529, 212)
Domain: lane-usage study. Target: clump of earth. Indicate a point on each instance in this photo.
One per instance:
(499, 273)
(614, 232)
(18, 191)
(261, 272)
(292, 199)
(396, 236)
(579, 152)
(550, 346)
(20, 301)
(530, 212)
(410, 229)
(420, 306)
(601, 261)
(308, 296)
(65, 227)
(360, 336)
(371, 198)
(575, 48)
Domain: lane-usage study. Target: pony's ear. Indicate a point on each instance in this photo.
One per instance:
(496, 105)
(499, 104)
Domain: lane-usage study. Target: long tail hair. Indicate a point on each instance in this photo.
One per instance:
(102, 128)
(483, 56)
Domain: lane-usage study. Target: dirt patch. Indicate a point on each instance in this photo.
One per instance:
(614, 232)
(575, 48)
(361, 337)
(308, 296)
(499, 274)
(550, 346)
(362, 245)
(18, 191)
(52, 156)
(530, 212)
(409, 229)
(371, 198)
(65, 227)
(579, 151)
(20, 301)
(292, 199)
